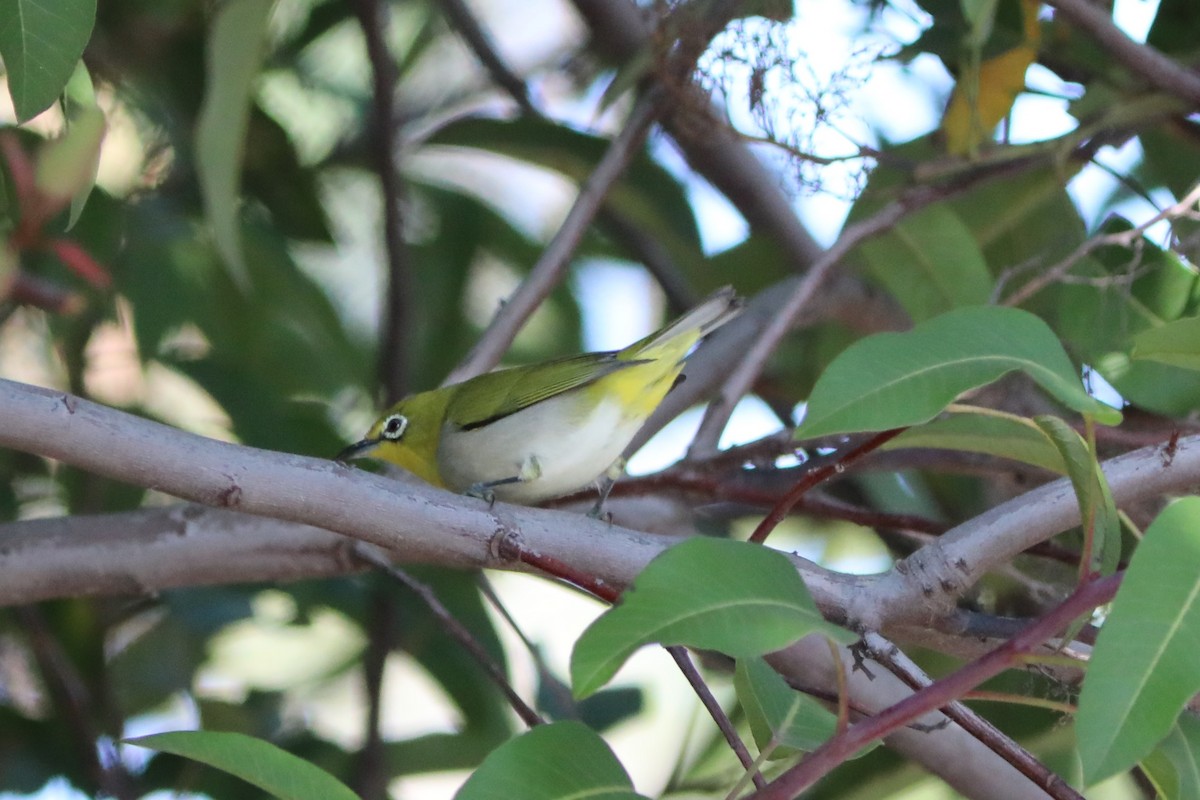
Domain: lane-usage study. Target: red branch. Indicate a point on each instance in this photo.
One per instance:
(939, 693)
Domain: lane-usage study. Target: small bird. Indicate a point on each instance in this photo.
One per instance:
(530, 433)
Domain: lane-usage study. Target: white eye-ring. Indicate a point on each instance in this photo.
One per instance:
(394, 427)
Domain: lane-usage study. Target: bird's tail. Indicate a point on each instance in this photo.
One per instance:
(717, 309)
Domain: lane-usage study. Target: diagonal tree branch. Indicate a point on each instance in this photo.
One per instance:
(1148, 63)
(396, 330)
(549, 269)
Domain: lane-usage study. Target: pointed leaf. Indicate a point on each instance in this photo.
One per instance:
(40, 42)
(560, 761)
(1005, 435)
(66, 167)
(736, 597)
(777, 713)
(268, 767)
(1143, 668)
(1176, 343)
(235, 51)
(892, 380)
(930, 262)
(1096, 507)
(1174, 766)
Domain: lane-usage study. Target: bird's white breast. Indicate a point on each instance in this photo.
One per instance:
(572, 448)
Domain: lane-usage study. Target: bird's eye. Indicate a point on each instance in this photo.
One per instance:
(393, 427)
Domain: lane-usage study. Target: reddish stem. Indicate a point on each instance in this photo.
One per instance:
(80, 262)
(815, 477)
(939, 693)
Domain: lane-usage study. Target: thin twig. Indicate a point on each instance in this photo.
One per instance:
(680, 654)
(550, 682)
(397, 312)
(904, 668)
(1150, 64)
(549, 269)
(73, 700)
(371, 773)
(752, 364)
(463, 21)
(1126, 238)
(452, 626)
(939, 693)
(816, 476)
(641, 245)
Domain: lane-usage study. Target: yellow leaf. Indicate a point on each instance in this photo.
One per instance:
(985, 95)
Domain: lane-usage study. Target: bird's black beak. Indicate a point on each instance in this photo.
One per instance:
(355, 450)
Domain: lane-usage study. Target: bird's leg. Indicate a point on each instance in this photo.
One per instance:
(604, 488)
(530, 470)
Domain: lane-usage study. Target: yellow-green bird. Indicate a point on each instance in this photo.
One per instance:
(530, 433)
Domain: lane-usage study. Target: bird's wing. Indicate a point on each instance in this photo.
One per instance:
(498, 394)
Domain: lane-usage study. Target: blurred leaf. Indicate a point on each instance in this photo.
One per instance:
(486, 720)
(1170, 153)
(79, 97)
(609, 707)
(66, 167)
(1143, 668)
(422, 635)
(1174, 27)
(1023, 219)
(891, 380)
(1008, 436)
(274, 175)
(1160, 388)
(646, 192)
(162, 659)
(34, 751)
(1176, 343)
(235, 51)
(254, 760)
(1096, 507)
(1118, 293)
(778, 714)
(40, 42)
(760, 604)
(929, 261)
(559, 761)
(1174, 766)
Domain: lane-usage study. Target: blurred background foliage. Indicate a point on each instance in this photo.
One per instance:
(242, 295)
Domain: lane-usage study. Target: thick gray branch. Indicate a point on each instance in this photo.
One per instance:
(147, 551)
(932, 579)
(416, 522)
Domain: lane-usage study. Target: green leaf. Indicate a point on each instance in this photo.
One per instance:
(1143, 668)
(1096, 507)
(236, 44)
(739, 598)
(41, 41)
(1174, 766)
(1005, 435)
(1116, 294)
(1176, 343)
(777, 713)
(892, 380)
(277, 771)
(646, 191)
(560, 761)
(1175, 24)
(79, 99)
(930, 262)
(66, 167)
